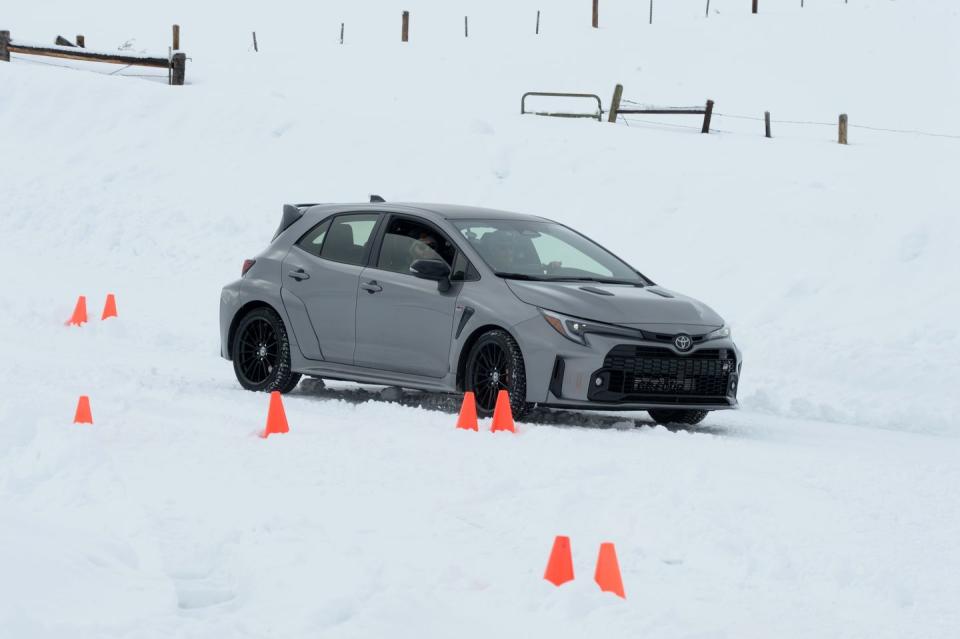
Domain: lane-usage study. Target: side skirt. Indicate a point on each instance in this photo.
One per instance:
(363, 375)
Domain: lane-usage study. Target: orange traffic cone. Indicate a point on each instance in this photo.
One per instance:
(79, 312)
(502, 414)
(110, 308)
(276, 416)
(468, 413)
(83, 414)
(607, 575)
(560, 565)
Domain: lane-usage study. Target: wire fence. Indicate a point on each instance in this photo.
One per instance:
(833, 124)
(740, 116)
(627, 120)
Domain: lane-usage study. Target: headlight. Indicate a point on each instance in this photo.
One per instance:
(576, 329)
(723, 331)
(571, 328)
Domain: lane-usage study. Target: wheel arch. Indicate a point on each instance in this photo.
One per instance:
(468, 346)
(241, 313)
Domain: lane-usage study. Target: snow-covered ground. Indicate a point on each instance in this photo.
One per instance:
(828, 506)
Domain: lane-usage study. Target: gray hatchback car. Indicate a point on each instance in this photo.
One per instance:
(451, 298)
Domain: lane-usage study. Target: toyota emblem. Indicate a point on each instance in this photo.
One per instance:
(682, 342)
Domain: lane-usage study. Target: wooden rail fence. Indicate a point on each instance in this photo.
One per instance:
(176, 64)
(615, 110)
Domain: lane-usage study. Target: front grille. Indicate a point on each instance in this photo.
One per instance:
(643, 372)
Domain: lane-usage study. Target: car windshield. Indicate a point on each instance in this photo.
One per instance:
(544, 251)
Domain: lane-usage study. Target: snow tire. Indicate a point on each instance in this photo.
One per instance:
(509, 367)
(263, 331)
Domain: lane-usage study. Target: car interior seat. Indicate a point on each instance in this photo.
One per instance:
(339, 244)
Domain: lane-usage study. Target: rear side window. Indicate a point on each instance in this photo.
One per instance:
(313, 240)
(348, 237)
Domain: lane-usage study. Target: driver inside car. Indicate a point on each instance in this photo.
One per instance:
(424, 248)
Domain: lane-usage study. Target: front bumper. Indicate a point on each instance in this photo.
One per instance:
(617, 373)
(637, 373)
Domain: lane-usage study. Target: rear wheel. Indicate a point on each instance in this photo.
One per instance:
(261, 353)
(677, 416)
(494, 364)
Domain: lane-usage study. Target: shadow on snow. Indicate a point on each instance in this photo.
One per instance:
(445, 403)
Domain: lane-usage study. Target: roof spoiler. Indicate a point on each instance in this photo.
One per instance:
(291, 213)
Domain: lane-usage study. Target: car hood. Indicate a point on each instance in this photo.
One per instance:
(616, 303)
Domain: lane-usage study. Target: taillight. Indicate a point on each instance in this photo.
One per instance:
(247, 264)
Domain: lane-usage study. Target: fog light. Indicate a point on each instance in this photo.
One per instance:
(732, 385)
(598, 382)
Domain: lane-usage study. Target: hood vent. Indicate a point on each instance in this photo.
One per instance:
(598, 291)
(660, 292)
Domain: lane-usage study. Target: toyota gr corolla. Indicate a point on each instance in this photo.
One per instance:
(452, 298)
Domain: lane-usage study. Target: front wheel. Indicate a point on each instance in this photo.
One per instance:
(495, 363)
(677, 416)
(261, 353)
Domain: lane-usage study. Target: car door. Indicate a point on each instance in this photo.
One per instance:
(405, 323)
(320, 277)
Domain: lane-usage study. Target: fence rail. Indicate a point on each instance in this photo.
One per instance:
(176, 63)
(706, 111)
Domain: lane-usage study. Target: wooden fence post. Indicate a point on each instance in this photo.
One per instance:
(707, 114)
(5, 46)
(405, 28)
(255, 47)
(596, 14)
(766, 123)
(842, 138)
(341, 33)
(651, 11)
(466, 28)
(615, 103)
(538, 22)
(706, 14)
(81, 42)
(754, 6)
(179, 69)
(176, 37)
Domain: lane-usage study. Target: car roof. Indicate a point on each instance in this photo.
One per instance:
(429, 210)
(460, 212)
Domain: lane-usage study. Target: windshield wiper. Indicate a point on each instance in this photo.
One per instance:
(520, 276)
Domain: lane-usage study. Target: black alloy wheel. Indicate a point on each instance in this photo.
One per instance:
(494, 364)
(261, 353)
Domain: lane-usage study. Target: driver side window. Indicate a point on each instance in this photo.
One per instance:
(406, 241)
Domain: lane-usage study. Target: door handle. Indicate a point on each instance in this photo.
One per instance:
(299, 274)
(371, 287)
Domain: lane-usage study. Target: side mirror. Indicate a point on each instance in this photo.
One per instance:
(436, 270)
